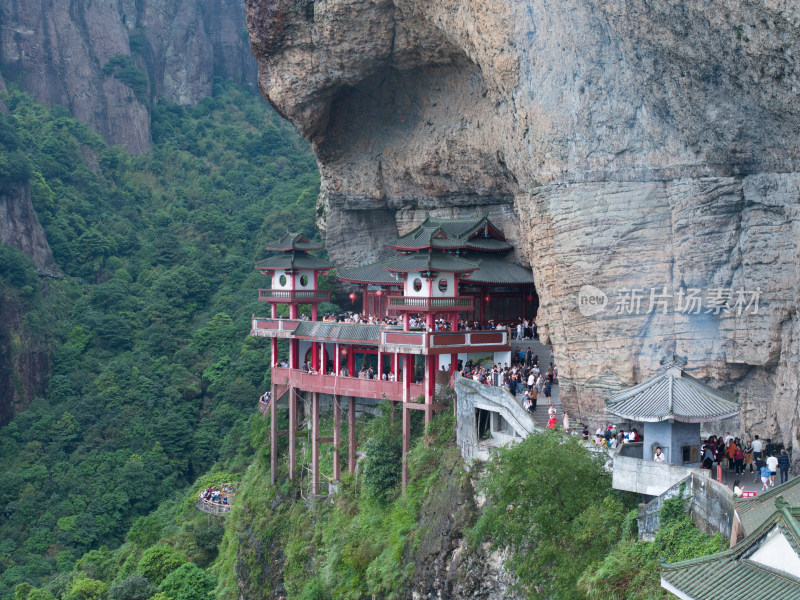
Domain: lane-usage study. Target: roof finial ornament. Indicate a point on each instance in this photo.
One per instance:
(674, 360)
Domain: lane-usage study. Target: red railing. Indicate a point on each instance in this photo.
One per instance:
(426, 304)
(345, 386)
(301, 296)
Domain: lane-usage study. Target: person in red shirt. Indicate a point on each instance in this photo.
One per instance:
(551, 422)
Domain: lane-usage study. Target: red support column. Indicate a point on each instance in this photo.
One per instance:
(379, 372)
(313, 312)
(292, 429)
(406, 321)
(274, 348)
(273, 435)
(315, 443)
(314, 357)
(293, 310)
(351, 435)
(337, 359)
(408, 374)
(483, 305)
(430, 385)
(351, 362)
(337, 434)
(273, 310)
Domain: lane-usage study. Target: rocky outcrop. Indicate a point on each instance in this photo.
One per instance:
(20, 227)
(625, 145)
(63, 53)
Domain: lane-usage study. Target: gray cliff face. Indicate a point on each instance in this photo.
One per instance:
(20, 227)
(57, 52)
(621, 145)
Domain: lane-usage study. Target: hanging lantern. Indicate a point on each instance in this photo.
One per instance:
(379, 293)
(352, 297)
(530, 298)
(488, 299)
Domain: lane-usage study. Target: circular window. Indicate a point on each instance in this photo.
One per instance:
(282, 280)
(417, 284)
(304, 280)
(443, 285)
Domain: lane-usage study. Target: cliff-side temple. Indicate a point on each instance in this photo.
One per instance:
(448, 289)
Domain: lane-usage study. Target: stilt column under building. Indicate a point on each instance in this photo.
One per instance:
(337, 434)
(273, 434)
(315, 443)
(408, 374)
(351, 435)
(292, 429)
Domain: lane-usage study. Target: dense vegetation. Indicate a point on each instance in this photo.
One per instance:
(155, 379)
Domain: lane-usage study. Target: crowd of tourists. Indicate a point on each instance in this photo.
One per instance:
(522, 329)
(612, 436)
(220, 495)
(761, 460)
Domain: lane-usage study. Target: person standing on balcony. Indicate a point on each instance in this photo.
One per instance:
(658, 456)
(783, 465)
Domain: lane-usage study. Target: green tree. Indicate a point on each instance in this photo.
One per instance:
(159, 561)
(188, 582)
(542, 495)
(134, 587)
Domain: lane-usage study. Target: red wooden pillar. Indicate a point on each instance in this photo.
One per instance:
(273, 310)
(379, 372)
(314, 357)
(483, 306)
(406, 321)
(351, 362)
(313, 312)
(337, 433)
(293, 353)
(315, 443)
(351, 435)
(273, 434)
(274, 349)
(337, 359)
(430, 385)
(408, 373)
(293, 310)
(292, 428)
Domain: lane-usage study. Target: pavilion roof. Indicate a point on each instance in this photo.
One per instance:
(294, 260)
(476, 233)
(754, 511)
(431, 261)
(765, 565)
(293, 241)
(490, 270)
(672, 394)
(369, 334)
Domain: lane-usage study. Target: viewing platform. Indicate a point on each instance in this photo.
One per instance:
(345, 386)
(425, 304)
(298, 296)
(219, 501)
(386, 339)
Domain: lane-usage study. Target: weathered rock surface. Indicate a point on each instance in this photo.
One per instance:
(56, 51)
(20, 227)
(624, 144)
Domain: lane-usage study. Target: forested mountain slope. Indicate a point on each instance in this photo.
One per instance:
(154, 378)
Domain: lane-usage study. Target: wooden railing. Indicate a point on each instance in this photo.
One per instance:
(462, 303)
(345, 386)
(307, 296)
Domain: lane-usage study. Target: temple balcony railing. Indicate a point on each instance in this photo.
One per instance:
(446, 342)
(411, 304)
(291, 296)
(345, 386)
(267, 327)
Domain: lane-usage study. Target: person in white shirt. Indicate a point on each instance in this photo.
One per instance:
(772, 465)
(531, 381)
(758, 445)
(658, 456)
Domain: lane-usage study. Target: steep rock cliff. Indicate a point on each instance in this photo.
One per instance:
(63, 52)
(623, 145)
(20, 227)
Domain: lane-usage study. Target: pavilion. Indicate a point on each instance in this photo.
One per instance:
(455, 270)
(672, 405)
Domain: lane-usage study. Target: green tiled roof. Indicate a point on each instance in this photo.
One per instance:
(293, 241)
(372, 273)
(431, 261)
(292, 260)
(754, 511)
(339, 331)
(451, 234)
(491, 270)
(500, 272)
(672, 394)
(735, 573)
